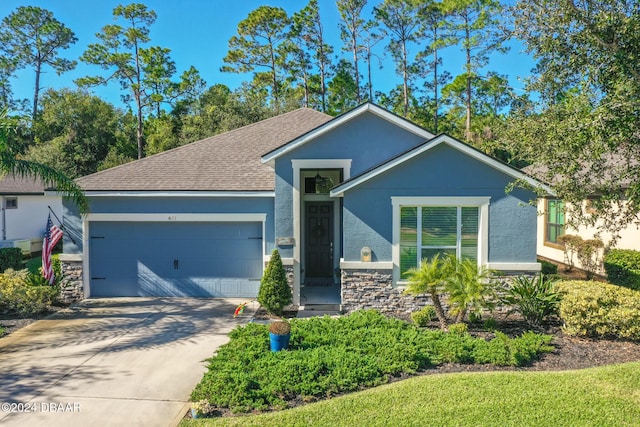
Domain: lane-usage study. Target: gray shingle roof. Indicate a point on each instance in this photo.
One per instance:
(230, 161)
(15, 184)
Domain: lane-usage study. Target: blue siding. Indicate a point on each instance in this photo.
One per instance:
(367, 140)
(440, 172)
(104, 204)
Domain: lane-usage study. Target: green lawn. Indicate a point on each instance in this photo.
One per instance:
(607, 396)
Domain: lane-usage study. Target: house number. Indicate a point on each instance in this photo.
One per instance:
(171, 218)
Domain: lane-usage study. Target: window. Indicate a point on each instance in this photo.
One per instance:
(425, 226)
(11, 203)
(429, 230)
(554, 221)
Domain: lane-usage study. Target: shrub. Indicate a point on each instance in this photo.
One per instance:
(596, 309)
(533, 297)
(328, 356)
(590, 256)
(458, 328)
(18, 296)
(548, 267)
(623, 267)
(518, 351)
(1, 331)
(570, 244)
(423, 316)
(490, 324)
(275, 292)
(10, 258)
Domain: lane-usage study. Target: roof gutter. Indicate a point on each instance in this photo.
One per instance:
(232, 194)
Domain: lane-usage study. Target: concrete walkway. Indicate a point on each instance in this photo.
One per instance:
(112, 362)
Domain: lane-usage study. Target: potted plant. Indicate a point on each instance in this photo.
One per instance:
(279, 334)
(201, 409)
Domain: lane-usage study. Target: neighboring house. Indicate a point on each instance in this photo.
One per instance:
(350, 202)
(25, 205)
(553, 223)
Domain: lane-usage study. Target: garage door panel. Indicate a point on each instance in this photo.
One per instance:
(175, 259)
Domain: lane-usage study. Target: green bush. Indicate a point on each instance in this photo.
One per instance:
(275, 292)
(18, 294)
(458, 328)
(623, 267)
(1, 331)
(490, 324)
(518, 351)
(596, 309)
(548, 267)
(328, 356)
(10, 258)
(423, 316)
(533, 297)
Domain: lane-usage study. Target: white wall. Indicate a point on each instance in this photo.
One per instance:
(629, 238)
(29, 220)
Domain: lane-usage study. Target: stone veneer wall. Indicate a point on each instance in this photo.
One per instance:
(373, 290)
(72, 289)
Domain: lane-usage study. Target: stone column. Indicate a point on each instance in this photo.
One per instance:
(72, 286)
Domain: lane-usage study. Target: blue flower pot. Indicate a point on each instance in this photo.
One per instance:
(279, 342)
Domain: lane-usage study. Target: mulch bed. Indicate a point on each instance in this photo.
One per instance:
(570, 352)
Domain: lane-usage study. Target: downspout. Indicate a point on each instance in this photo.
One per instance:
(4, 218)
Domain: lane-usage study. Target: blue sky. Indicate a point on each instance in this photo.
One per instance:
(197, 32)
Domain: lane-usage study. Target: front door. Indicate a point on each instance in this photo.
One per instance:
(319, 243)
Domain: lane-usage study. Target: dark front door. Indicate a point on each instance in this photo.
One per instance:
(319, 243)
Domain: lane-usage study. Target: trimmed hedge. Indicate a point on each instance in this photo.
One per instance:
(548, 268)
(623, 267)
(596, 309)
(10, 258)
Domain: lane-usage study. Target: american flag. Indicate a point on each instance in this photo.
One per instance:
(51, 236)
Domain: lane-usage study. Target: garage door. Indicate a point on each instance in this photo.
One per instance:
(200, 259)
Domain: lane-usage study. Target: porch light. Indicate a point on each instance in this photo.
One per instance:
(365, 254)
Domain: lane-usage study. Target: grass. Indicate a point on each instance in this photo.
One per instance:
(605, 396)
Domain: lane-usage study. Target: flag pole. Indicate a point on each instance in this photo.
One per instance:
(62, 227)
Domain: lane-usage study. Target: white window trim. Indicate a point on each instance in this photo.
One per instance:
(298, 165)
(483, 224)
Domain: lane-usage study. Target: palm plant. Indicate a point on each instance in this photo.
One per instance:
(10, 164)
(430, 277)
(470, 288)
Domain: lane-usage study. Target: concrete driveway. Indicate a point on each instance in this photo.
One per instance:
(112, 362)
